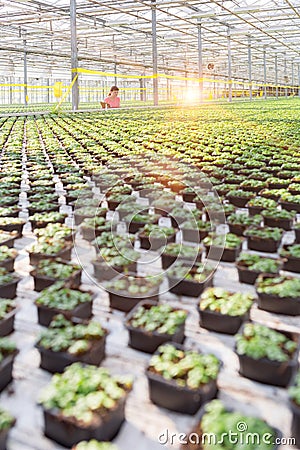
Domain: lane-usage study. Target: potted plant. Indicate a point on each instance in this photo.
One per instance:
(88, 212)
(239, 222)
(47, 272)
(182, 380)
(215, 419)
(94, 226)
(128, 208)
(224, 311)
(253, 185)
(8, 309)
(189, 280)
(113, 240)
(195, 230)
(291, 255)
(8, 238)
(224, 247)
(58, 299)
(7, 257)
(58, 231)
(136, 221)
(164, 204)
(290, 202)
(91, 410)
(10, 211)
(267, 355)
(294, 395)
(151, 325)
(113, 260)
(50, 248)
(257, 204)
(177, 252)
(8, 352)
(126, 291)
(250, 266)
(7, 421)
(273, 194)
(218, 211)
(8, 283)
(40, 220)
(279, 294)
(114, 200)
(68, 341)
(42, 206)
(279, 218)
(94, 445)
(12, 224)
(153, 237)
(264, 239)
(239, 198)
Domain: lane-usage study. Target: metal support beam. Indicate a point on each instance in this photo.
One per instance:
(74, 55)
(276, 75)
(154, 54)
(200, 62)
(10, 90)
(229, 65)
(293, 75)
(25, 73)
(265, 74)
(115, 72)
(285, 76)
(250, 67)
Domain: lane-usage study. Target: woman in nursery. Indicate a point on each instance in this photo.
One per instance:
(112, 100)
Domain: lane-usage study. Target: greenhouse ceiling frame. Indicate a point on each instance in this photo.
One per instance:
(245, 40)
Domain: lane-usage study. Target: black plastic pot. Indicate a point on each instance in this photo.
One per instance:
(237, 229)
(125, 302)
(64, 254)
(297, 233)
(295, 422)
(263, 245)
(239, 202)
(104, 272)
(46, 315)
(6, 367)
(270, 372)
(221, 323)
(193, 235)
(42, 282)
(248, 276)
(291, 264)
(135, 227)
(148, 342)
(286, 224)
(8, 264)
(68, 432)
(7, 324)
(32, 211)
(9, 290)
(290, 206)
(39, 224)
(13, 227)
(188, 196)
(155, 243)
(188, 288)
(167, 394)
(228, 254)
(168, 260)
(57, 361)
(276, 304)
(254, 210)
(10, 241)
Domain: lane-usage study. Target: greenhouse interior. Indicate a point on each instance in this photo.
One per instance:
(149, 224)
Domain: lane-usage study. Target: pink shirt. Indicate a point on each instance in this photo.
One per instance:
(114, 102)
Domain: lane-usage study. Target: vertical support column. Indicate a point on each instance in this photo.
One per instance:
(298, 79)
(265, 73)
(250, 67)
(25, 73)
(229, 65)
(276, 75)
(74, 55)
(200, 61)
(285, 76)
(10, 90)
(115, 72)
(154, 54)
(292, 76)
(48, 91)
